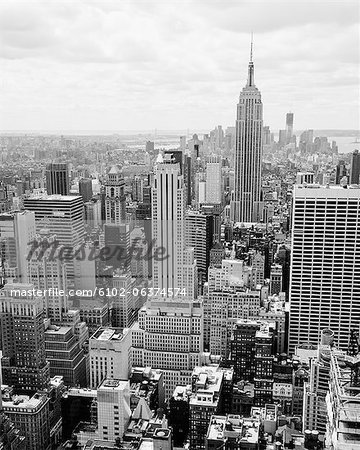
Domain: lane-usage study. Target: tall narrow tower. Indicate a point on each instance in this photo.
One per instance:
(248, 153)
(115, 197)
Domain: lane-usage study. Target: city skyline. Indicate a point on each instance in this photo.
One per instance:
(188, 71)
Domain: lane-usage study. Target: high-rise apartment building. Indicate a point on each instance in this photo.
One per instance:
(355, 168)
(248, 154)
(57, 178)
(23, 338)
(325, 270)
(115, 197)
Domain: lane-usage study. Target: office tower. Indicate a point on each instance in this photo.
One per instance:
(276, 279)
(170, 270)
(183, 143)
(85, 268)
(282, 138)
(188, 180)
(325, 273)
(343, 402)
(85, 189)
(24, 223)
(22, 338)
(199, 235)
(316, 389)
(5, 203)
(117, 244)
(31, 415)
(248, 153)
(92, 213)
(150, 147)
(17, 230)
(169, 336)
(258, 266)
(355, 168)
(110, 355)
(57, 179)
(226, 307)
(46, 271)
(267, 135)
(177, 157)
(341, 171)
(113, 400)
(289, 126)
(65, 356)
(200, 189)
(62, 215)
(115, 201)
(124, 305)
(213, 180)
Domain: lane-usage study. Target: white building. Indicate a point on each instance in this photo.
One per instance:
(169, 336)
(113, 406)
(213, 180)
(173, 264)
(110, 355)
(325, 269)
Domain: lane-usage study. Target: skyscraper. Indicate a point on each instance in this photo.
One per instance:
(57, 178)
(341, 171)
(289, 126)
(175, 268)
(85, 189)
(213, 190)
(115, 197)
(169, 334)
(355, 168)
(325, 270)
(61, 214)
(23, 338)
(248, 153)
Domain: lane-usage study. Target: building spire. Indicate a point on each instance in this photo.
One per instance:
(251, 47)
(250, 81)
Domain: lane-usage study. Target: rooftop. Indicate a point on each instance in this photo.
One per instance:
(24, 402)
(110, 334)
(53, 197)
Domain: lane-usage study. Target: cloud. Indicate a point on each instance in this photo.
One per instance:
(184, 62)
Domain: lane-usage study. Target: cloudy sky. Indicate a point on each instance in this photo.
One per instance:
(144, 64)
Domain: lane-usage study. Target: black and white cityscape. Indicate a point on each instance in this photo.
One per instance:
(180, 225)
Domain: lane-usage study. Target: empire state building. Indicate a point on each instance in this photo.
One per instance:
(245, 205)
